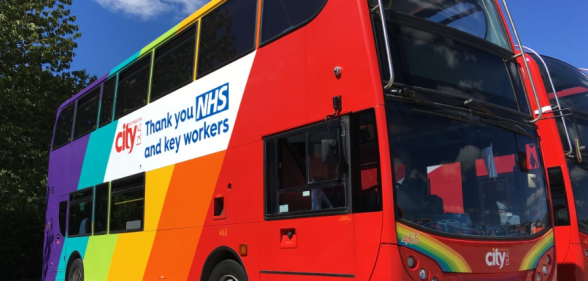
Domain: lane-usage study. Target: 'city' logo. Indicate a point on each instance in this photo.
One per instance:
(129, 137)
(498, 258)
(212, 102)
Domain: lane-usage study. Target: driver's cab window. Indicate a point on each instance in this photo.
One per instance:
(299, 179)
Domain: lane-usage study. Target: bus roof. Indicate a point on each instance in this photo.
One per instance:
(145, 50)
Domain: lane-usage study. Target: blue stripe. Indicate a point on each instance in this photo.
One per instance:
(97, 156)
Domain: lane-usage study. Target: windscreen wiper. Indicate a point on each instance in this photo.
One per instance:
(405, 93)
(450, 115)
(476, 104)
(509, 126)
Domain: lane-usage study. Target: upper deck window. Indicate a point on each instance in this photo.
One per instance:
(174, 64)
(63, 126)
(133, 86)
(226, 34)
(87, 113)
(480, 18)
(107, 102)
(282, 16)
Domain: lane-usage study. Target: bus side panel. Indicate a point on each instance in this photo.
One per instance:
(240, 187)
(368, 233)
(287, 277)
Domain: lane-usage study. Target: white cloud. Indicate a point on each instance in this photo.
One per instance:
(151, 8)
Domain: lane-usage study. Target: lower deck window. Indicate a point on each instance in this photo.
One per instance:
(127, 204)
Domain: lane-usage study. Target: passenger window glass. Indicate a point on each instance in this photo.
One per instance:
(305, 183)
(174, 64)
(423, 59)
(101, 209)
(80, 213)
(87, 113)
(107, 102)
(133, 86)
(282, 16)
(480, 18)
(62, 217)
(367, 191)
(127, 204)
(227, 33)
(63, 127)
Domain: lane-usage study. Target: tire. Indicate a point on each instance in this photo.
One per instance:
(228, 270)
(76, 271)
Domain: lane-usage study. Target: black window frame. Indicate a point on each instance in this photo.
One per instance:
(288, 30)
(93, 93)
(344, 177)
(172, 44)
(140, 64)
(113, 79)
(73, 202)
(102, 185)
(200, 74)
(128, 184)
(63, 216)
(71, 106)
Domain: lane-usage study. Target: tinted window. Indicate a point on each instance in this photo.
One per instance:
(80, 213)
(297, 178)
(132, 88)
(107, 103)
(101, 209)
(63, 127)
(127, 204)
(87, 113)
(62, 217)
(465, 177)
(282, 16)
(430, 61)
(174, 64)
(558, 196)
(227, 33)
(367, 191)
(480, 18)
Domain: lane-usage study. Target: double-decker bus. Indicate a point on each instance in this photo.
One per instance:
(305, 140)
(563, 133)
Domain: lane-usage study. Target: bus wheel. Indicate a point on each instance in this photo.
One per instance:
(76, 271)
(228, 270)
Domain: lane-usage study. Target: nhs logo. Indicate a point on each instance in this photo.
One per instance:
(212, 102)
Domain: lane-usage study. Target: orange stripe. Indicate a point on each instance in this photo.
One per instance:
(258, 23)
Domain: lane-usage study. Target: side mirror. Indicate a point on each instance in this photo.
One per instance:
(329, 151)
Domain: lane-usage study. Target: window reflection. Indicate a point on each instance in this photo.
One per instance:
(463, 178)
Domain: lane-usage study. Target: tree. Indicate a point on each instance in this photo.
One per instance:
(36, 49)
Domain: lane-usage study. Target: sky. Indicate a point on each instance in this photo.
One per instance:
(114, 30)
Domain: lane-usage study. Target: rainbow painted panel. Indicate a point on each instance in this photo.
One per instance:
(175, 204)
(448, 259)
(167, 35)
(532, 257)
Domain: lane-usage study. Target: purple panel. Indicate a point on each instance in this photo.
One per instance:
(65, 167)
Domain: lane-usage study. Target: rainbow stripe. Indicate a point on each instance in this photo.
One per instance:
(173, 31)
(446, 257)
(532, 257)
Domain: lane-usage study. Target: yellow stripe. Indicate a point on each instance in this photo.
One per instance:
(157, 184)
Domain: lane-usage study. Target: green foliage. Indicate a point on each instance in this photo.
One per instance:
(36, 49)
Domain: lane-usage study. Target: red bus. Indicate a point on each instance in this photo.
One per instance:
(305, 140)
(563, 133)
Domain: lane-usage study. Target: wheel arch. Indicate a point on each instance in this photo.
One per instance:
(215, 257)
(74, 255)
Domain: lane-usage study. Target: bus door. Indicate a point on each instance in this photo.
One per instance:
(309, 229)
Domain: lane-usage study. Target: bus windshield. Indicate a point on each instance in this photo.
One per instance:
(480, 18)
(464, 176)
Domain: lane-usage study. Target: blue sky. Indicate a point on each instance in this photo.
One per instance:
(111, 35)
